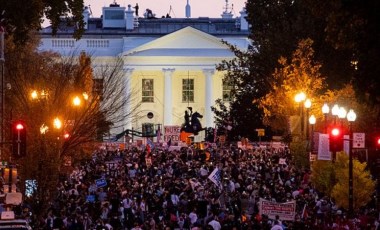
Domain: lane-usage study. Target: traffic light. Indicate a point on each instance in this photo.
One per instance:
(377, 143)
(18, 139)
(336, 139)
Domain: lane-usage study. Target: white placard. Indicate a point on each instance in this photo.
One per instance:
(358, 140)
(324, 148)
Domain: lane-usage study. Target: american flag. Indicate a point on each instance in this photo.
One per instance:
(149, 145)
(216, 177)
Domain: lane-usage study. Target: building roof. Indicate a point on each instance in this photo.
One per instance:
(156, 26)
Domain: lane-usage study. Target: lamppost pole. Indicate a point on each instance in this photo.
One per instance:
(335, 112)
(325, 111)
(351, 117)
(2, 61)
(312, 121)
(307, 106)
(299, 98)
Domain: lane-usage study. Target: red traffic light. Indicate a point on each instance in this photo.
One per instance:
(66, 136)
(335, 132)
(19, 126)
(378, 141)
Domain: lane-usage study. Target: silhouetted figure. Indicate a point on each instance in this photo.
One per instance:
(149, 13)
(137, 9)
(187, 119)
(195, 123)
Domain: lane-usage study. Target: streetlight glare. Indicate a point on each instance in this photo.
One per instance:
(34, 94)
(300, 97)
(342, 112)
(57, 123)
(85, 96)
(312, 120)
(44, 129)
(76, 101)
(335, 110)
(351, 115)
(325, 109)
(307, 103)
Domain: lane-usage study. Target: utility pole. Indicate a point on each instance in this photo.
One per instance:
(2, 60)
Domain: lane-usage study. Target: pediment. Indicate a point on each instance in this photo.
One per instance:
(184, 42)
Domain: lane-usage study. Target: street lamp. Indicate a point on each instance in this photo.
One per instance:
(76, 101)
(335, 112)
(307, 105)
(325, 111)
(351, 117)
(312, 121)
(342, 114)
(299, 98)
(44, 129)
(57, 123)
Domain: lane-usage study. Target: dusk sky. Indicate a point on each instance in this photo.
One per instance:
(199, 8)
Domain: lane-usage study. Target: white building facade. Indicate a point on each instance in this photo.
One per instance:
(169, 61)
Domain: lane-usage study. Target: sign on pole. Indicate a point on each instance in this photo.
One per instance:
(260, 132)
(323, 148)
(358, 140)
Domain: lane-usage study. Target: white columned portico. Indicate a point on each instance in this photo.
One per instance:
(168, 101)
(128, 95)
(209, 120)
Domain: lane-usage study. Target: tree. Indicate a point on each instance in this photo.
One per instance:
(55, 81)
(352, 27)
(278, 26)
(345, 35)
(323, 176)
(301, 74)
(23, 17)
(247, 84)
(364, 186)
(332, 179)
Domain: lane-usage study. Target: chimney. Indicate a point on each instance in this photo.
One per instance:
(86, 16)
(243, 21)
(188, 10)
(129, 18)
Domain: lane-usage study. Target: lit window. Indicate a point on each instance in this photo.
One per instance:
(147, 90)
(187, 90)
(227, 91)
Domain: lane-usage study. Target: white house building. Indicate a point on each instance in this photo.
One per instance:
(171, 60)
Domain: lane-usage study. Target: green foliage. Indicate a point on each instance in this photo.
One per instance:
(57, 81)
(363, 185)
(300, 156)
(301, 74)
(345, 35)
(322, 176)
(332, 179)
(248, 85)
(23, 17)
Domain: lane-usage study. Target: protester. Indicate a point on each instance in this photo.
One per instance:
(177, 190)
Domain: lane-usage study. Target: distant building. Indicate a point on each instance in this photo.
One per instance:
(171, 60)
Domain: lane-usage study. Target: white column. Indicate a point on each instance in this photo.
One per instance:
(128, 95)
(168, 102)
(209, 101)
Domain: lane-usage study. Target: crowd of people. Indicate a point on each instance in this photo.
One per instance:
(156, 188)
